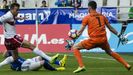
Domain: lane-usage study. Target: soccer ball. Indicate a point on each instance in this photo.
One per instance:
(73, 33)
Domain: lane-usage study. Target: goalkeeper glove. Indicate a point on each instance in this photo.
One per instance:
(123, 39)
(70, 43)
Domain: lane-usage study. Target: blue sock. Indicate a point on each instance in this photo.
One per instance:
(57, 62)
(47, 66)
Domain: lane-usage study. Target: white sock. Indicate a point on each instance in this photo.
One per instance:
(42, 54)
(8, 60)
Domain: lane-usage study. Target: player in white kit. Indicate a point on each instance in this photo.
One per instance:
(31, 64)
(36, 63)
(13, 41)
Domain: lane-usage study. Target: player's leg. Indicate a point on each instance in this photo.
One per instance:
(86, 44)
(77, 54)
(12, 56)
(115, 55)
(38, 62)
(15, 54)
(8, 60)
(12, 47)
(30, 46)
(16, 65)
(17, 42)
(36, 65)
(47, 66)
(61, 62)
(78, 57)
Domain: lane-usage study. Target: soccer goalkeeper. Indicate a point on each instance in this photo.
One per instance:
(96, 30)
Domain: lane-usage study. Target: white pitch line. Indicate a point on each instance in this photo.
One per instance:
(100, 58)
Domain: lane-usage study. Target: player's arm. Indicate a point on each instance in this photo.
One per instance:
(84, 23)
(4, 18)
(122, 38)
(81, 29)
(110, 27)
(70, 43)
(20, 18)
(6, 61)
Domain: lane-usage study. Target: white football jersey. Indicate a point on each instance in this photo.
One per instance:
(31, 64)
(8, 22)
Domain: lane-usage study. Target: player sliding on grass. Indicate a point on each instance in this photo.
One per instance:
(12, 40)
(96, 30)
(32, 64)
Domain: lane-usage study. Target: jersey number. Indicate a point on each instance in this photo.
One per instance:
(98, 18)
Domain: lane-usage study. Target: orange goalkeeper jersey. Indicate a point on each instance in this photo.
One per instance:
(96, 25)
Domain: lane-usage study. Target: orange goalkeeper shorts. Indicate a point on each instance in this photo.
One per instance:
(95, 42)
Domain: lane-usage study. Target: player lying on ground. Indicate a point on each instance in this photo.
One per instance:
(12, 40)
(96, 30)
(32, 64)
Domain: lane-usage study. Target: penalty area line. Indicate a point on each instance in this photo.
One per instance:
(100, 58)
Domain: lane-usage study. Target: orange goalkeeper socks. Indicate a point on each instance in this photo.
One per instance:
(78, 57)
(119, 58)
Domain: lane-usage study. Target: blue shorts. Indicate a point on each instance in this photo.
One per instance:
(16, 65)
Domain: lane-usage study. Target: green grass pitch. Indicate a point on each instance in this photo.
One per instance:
(95, 63)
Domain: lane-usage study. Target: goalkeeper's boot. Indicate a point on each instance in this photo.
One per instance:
(53, 59)
(63, 61)
(79, 69)
(129, 67)
(60, 68)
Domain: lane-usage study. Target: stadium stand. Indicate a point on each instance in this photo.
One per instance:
(99, 2)
(51, 3)
(125, 4)
(125, 9)
(84, 3)
(112, 3)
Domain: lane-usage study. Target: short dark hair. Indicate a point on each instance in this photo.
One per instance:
(43, 1)
(92, 4)
(14, 5)
(4, 1)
